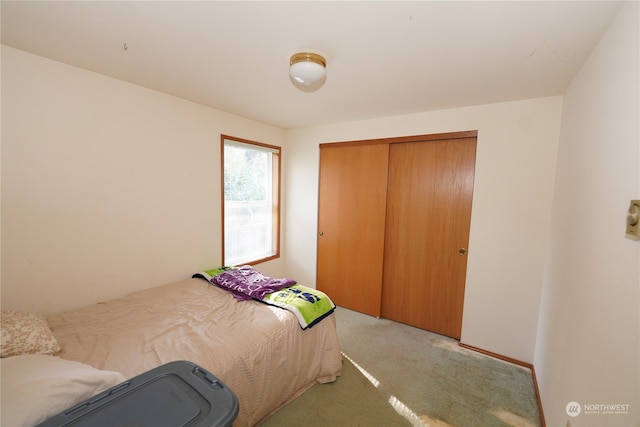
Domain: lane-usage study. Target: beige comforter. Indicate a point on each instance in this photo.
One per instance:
(259, 351)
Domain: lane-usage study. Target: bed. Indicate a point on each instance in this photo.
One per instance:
(259, 351)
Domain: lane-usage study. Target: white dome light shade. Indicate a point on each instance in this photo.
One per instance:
(307, 69)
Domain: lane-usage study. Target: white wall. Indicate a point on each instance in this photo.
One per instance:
(107, 187)
(515, 171)
(587, 349)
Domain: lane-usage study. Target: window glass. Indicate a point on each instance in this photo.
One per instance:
(251, 206)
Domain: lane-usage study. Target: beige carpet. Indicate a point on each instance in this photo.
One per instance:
(397, 375)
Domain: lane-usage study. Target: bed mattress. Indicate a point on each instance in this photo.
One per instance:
(259, 351)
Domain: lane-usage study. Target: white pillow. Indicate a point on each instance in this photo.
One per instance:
(37, 387)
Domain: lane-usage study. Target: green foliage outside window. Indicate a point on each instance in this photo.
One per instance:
(245, 174)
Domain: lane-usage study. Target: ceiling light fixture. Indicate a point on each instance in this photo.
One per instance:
(307, 69)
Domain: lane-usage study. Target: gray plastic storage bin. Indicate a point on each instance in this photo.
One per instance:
(176, 394)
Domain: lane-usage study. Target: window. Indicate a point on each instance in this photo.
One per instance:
(250, 202)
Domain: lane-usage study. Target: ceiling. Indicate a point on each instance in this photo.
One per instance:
(383, 58)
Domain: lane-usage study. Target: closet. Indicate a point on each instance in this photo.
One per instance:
(393, 227)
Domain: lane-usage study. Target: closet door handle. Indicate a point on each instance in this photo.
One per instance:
(462, 251)
(321, 233)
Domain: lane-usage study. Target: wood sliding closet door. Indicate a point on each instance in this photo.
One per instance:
(428, 216)
(351, 221)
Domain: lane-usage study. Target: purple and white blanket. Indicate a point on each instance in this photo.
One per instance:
(308, 305)
(246, 283)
